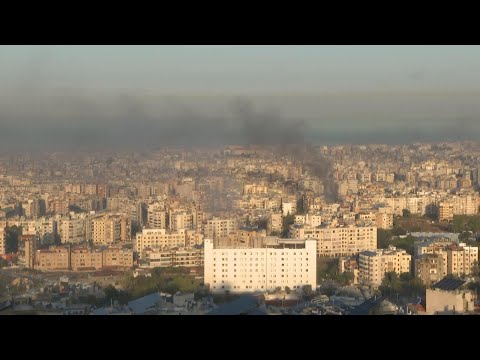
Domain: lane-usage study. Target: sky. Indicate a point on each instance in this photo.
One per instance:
(69, 96)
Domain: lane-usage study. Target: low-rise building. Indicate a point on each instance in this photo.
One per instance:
(449, 297)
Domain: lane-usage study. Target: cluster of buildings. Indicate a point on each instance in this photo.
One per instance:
(71, 257)
(256, 218)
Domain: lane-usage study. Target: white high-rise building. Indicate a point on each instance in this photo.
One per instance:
(280, 263)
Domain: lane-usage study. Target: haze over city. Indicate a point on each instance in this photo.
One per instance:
(79, 97)
(239, 180)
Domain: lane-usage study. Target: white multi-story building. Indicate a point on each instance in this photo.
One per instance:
(281, 263)
(158, 239)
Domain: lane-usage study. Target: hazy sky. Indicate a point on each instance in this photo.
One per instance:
(104, 96)
(245, 69)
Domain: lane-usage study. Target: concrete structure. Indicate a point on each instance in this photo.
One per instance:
(374, 264)
(448, 297)
(274, 223)
(431, 268)
(281, 263)
(338, 241)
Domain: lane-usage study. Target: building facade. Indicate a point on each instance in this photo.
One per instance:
(374, 264)
(281, 263)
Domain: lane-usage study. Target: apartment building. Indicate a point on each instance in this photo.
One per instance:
(27, 245)
(110, 228)
(438, 258)
(218, 228)
(117, 257)
(157, 218)
(72, 229)
(280, 263)
(384, 220)
(54, 258)
(83, 258)
(159, 239)
(309, 219)
(335, 241)
(431, 268)
(181, 220)
(374, 264)
(445, 211)
(461, 259)
(176, 257)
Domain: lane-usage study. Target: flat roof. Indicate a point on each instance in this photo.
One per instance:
(448, 284)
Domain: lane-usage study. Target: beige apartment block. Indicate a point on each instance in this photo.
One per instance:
(374, 264)
(445, 211)
(109, 229)
(117, 257)
(218, 228)
(338, 241)
(86, 259)
(159, 238)
(384, 220)
(53, 259)
(281, 263)
(461, 259)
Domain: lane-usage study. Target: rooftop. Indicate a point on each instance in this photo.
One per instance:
(448, 284)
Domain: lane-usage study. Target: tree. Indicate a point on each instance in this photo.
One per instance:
(307, 290)
(406, 213)
(287, 290)
(464, 235)
(12, 234)
(287, 221)
(348, 277)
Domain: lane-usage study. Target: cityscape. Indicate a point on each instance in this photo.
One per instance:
(169, 216)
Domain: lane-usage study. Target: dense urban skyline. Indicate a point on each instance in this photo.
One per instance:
(239, 180)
